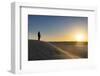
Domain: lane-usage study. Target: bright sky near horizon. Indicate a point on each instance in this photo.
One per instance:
(58, 28)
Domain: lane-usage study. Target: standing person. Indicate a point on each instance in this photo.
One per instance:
(39, 35)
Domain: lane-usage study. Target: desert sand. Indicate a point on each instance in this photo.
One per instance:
(42, 50)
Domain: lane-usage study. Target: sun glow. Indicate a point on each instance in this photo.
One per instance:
(80, 37)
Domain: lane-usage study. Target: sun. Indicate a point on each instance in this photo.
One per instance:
(80, 37)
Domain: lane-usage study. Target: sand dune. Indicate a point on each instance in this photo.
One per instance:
(74, 48)
(40, 50)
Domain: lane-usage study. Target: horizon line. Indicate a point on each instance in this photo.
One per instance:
(59, 41)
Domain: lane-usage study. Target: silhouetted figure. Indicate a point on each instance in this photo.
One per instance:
(39, 35)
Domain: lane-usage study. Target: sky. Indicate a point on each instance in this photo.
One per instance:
(57, 28)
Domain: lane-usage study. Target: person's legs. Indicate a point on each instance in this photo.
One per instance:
(38, 37)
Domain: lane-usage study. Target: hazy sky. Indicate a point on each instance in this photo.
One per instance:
(57, 28)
